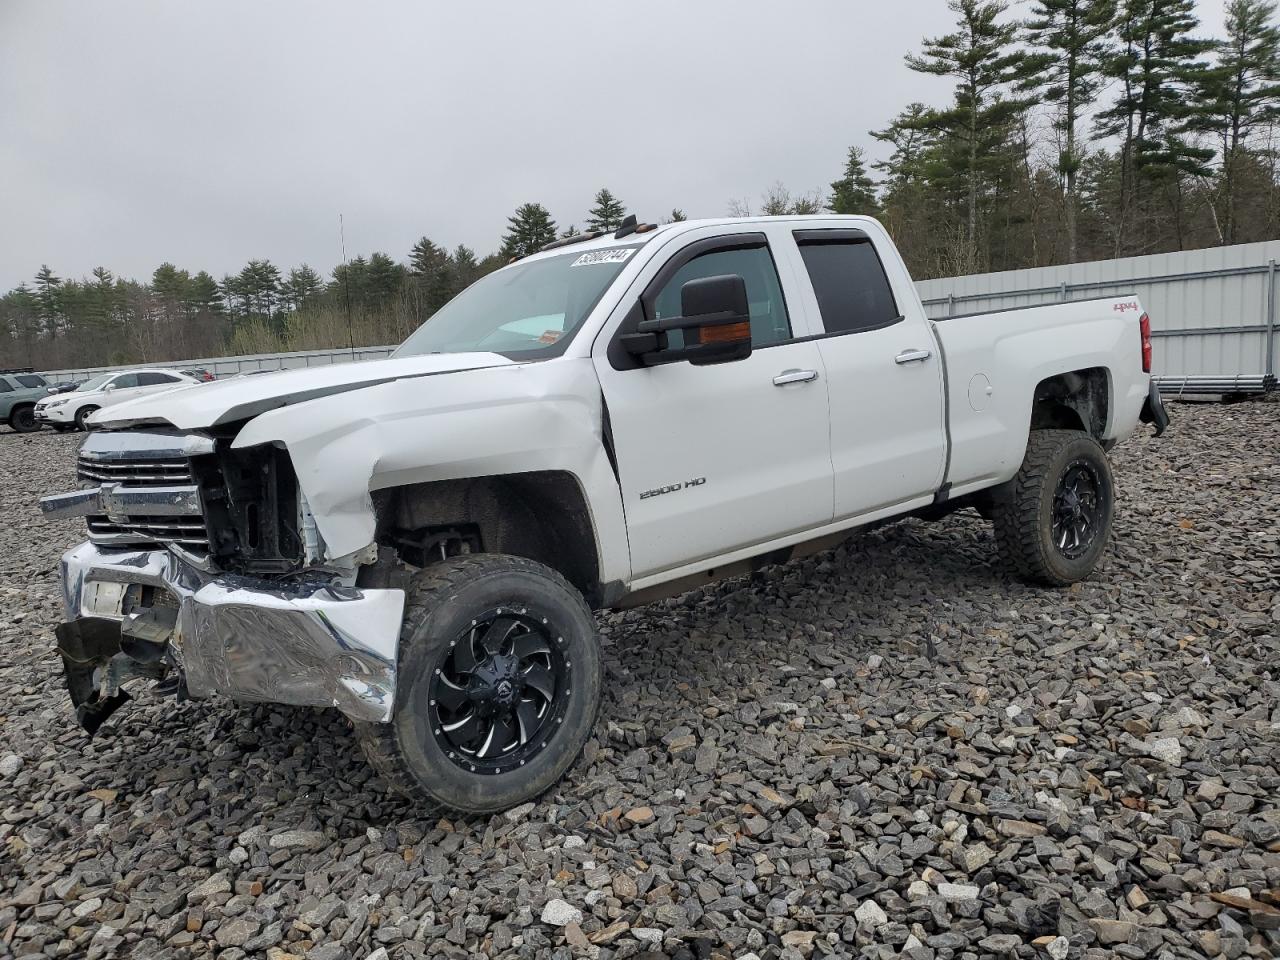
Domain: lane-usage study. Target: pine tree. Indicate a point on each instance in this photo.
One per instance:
(203, 295)
(1240, 94)
(677, 215)
(384, 280)
(1155, 70)
(909, 135)
(349, 283)
(529, 229)
(465, 268)
(258, 286)
(981, 57)
(854, 193)
(570, 231)
(170, 285)
(301, 285)
(47, 299)
(103, 299)
(1072, 38)
(426, 257)
(607, 213)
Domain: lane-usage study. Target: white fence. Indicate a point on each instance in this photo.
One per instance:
(1213, 311)
(230, 366)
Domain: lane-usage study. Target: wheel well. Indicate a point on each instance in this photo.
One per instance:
(1078, 400)
(542, 516)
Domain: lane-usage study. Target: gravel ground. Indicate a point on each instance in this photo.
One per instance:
(885, 750)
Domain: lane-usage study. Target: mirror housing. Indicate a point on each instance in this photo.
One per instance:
(716, 319)
(108, 387)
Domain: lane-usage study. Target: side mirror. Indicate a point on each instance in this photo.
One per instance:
(108, 388)
(716, 320)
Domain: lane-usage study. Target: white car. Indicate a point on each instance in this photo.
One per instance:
(66, 410)
(420, 541)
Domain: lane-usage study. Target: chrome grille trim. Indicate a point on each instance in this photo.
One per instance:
(144, 446)
(142, 490)
(188, 532)
(135, 473)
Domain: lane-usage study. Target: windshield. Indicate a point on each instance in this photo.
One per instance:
(95, 383)
(526, 311)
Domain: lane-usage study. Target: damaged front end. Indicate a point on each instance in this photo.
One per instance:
(196, 575)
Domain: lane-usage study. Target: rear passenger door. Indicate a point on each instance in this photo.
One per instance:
(884, 374)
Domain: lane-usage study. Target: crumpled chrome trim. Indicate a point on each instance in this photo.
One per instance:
(119, 502)
(311, 644)
(150, 444)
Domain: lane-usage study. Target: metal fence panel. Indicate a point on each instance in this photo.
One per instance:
(1213, 311)
(230, 366)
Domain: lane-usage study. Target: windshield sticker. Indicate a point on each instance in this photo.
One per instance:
(603, 256)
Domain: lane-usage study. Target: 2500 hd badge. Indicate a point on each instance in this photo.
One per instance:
(673, 487)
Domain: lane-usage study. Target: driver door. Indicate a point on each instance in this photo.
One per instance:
(720, 457)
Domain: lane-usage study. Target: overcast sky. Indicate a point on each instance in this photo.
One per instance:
(207, 134)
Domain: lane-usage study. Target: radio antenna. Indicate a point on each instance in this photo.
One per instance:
(346, 277)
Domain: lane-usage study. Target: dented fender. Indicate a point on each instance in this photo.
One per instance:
(510, 419)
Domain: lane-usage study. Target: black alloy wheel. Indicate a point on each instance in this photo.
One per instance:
(1077, 509)
(500, 691)
(1053, 519)
(497, 688)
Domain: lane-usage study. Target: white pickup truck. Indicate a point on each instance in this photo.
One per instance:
(420, 541)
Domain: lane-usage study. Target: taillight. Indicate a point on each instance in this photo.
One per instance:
(1144, 324)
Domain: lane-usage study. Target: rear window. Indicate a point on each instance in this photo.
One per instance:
(153, 379)
(850, 284)
(32, 380)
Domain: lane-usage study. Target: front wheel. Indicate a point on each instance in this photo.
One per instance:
(498, 687)
(23, 419)
(83, 414)
(1053, 519)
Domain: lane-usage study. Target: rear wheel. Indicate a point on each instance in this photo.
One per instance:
(499, 683)
(1053, 519)
(82, 415)
(23, 419)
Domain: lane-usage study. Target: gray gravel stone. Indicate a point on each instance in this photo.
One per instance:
(766, 803)
(558, 913)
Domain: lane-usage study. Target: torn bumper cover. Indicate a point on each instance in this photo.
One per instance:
(1153, 411)
(305, 644)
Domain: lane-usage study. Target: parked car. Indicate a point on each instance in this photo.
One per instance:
(200, 373)
(420, 541)
(73, 409)
(19, 392)
(64, 387)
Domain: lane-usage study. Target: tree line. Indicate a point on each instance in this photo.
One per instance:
(1074, 130)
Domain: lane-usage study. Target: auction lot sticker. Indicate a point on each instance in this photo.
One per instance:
(621, 255)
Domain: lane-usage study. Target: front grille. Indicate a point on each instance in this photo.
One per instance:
(135, 473)
(188, 532)
(126, 463)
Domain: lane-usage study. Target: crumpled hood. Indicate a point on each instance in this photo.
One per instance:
(227, 401)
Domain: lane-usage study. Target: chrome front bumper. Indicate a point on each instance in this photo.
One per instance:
(248, 639)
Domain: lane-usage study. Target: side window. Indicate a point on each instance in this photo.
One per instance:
(125, 381)
(850, 284)
(769, 321)
(31, 380)
(152, 379)
(5, 385)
